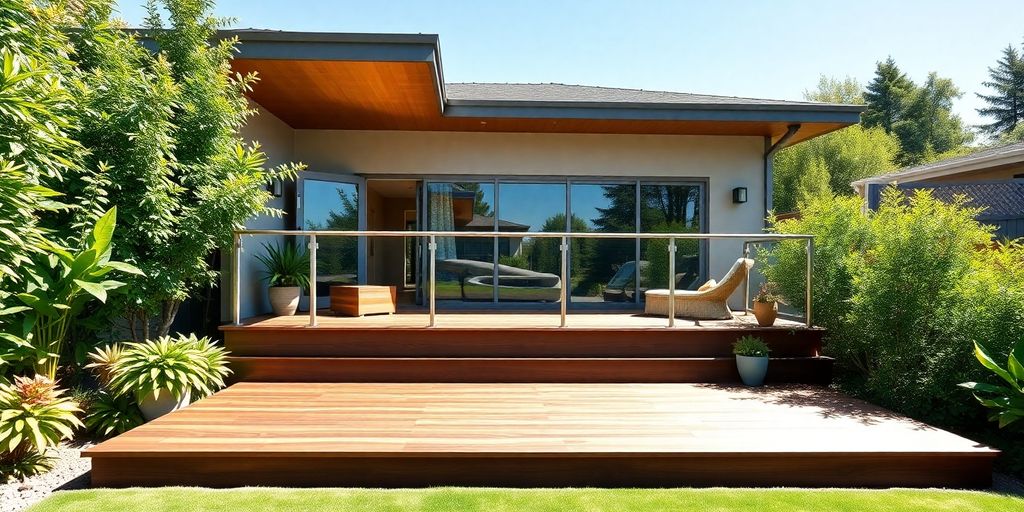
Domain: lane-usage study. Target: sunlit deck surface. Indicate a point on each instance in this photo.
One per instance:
(419, 434)
(411, 318)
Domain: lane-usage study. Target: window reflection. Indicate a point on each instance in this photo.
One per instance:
(330, 205)
(529, 268)
(464, 265)
(603, 270)
(669, 209)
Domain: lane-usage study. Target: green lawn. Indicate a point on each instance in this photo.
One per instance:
(533, 500)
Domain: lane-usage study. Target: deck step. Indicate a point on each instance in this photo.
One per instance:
(518, 343)
(802, 370)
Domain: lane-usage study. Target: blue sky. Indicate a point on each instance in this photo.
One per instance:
(744, 48)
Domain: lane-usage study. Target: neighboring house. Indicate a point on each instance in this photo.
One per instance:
(390, 146)
(992, 179)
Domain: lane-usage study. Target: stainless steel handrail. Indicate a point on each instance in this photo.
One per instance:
(431, 236)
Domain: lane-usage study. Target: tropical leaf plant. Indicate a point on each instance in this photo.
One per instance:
(174, 365)
(102, 360)
(59, 285)
(1005, 401)
(113, 414)
(285, 265)
(34, 417)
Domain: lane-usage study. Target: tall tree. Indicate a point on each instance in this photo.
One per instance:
(837, 90)
(886, 96)
(928, 128)
(1006, 103)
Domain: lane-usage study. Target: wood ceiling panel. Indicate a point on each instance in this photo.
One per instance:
(347, 95)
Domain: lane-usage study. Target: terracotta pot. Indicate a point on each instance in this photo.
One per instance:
(766, 312)
(152, 408)
(752, 369)
(284, 299)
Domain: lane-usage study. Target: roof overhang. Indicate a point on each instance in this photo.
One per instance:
(983, 161)
(395, 82)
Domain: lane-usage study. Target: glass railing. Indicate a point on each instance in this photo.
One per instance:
(529, 285)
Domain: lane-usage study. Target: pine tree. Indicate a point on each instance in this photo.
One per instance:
(1006, 103)
(886, 96)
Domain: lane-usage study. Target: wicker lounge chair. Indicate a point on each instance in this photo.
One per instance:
(710, 304)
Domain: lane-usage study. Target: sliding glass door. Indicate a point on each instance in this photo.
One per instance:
(528, 269)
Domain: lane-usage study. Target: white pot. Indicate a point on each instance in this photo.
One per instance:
(752, 369)
(152, 408)
(284, 299)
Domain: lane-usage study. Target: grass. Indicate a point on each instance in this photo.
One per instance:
(535, 500)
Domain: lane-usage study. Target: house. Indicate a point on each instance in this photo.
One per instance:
(391, 146)
(505, 179)
(992, 179)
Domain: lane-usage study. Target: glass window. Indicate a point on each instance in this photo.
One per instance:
(331, 205)
(465, 266)
(529, 268)
(670, 209)
(603, 270)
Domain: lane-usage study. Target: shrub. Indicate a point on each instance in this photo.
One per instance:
(33, 418)
(170, 365)
(768, 292)
(750, 346)
(113, 414)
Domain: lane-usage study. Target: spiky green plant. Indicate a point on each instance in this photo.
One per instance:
(173, 365)
(113, 414)
(102, 360)
(285, 265)
(34, 417)
(750, 346)
(1006, 402)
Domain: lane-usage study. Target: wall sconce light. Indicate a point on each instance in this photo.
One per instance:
(276, 188)
(739, 195)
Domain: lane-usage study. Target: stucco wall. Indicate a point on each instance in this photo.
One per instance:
(725, 162)
(276, 138)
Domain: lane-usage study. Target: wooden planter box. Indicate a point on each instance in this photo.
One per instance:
(363, 300)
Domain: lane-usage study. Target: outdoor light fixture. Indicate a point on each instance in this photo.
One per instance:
(276, 188)
(739, 195)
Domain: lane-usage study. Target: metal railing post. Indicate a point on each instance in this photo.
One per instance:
(432, 247)
(563, 294)
(312, 280)
(808, 317)
(236, 274)
(671, 282)
(746, 282)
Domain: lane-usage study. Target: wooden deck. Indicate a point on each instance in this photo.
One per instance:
(514, 347)
(351, 434)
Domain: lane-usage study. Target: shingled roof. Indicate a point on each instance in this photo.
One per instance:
(566, 93)
(999, 155)
(1001, 199)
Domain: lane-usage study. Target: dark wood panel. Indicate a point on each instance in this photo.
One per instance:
(810, 370)
(369, 342)
(766, 470)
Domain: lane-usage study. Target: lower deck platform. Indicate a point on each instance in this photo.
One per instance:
(536, 434)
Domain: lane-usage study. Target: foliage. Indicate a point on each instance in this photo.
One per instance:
(830, 163)
(33, 418)
(769, 292)
(1006, 402)
(928, 130)
(285, 265)
(1005, 105)
(167, 127)
(102, 361)
(832, 90)
(903, 292)
(59, 286)
(886, 96)
(170, 365)
(112, 414)
(750, 346)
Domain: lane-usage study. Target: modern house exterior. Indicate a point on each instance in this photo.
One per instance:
(992, 179)
(390, 145)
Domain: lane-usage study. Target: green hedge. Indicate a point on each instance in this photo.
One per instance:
(903, 292)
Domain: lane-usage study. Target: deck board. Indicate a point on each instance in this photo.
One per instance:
(401, 419)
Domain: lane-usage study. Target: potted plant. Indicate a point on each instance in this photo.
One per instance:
(751, 359)
(766, 304)
(286, 270)
(165, 374)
